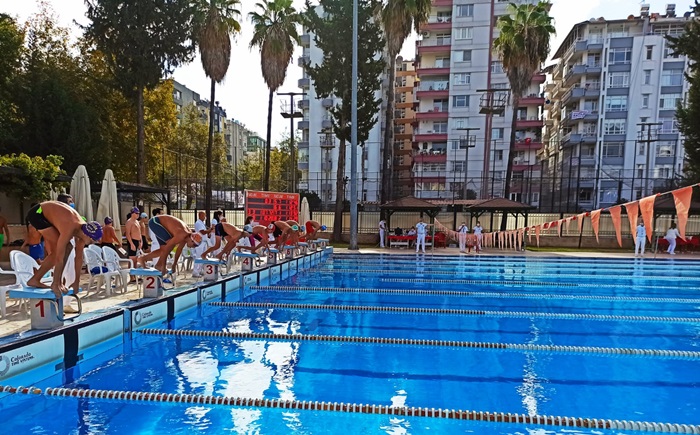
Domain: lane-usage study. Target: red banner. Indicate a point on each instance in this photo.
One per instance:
(267, 207)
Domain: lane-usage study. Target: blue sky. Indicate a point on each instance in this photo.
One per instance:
(243, 93)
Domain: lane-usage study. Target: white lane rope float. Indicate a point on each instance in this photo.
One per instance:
(546, 348)
(514, 282)
(357, 408)
(461, 312)
(289, 288)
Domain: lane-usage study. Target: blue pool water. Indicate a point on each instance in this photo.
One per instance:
(645, 304)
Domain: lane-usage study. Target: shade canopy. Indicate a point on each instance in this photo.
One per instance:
(109, 202)
(304, 212)
(80, 190)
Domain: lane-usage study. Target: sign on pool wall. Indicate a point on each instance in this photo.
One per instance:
(267, 207)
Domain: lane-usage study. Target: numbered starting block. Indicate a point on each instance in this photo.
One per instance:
(273, 256)
(152, 281)
(247, 260)
(46, 311)
(322, 243)
(210, 267)
(303, 247)
(289, 251)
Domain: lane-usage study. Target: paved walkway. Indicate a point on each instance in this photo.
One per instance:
(17, 321)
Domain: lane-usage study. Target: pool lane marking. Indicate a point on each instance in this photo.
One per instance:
(514, 282)
(547, 348)
(358, 408)
(526, 314)
(289, 288)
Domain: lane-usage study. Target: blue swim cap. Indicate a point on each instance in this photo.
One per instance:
(92, 230)
(324, 228)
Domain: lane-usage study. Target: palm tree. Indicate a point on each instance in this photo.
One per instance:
(216, 22)
(523, 45)
(398, 18)
(275, 34)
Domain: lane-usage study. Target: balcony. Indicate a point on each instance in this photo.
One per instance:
(303, 104)
(401, 133)
(304, 83)
(576, 93)
(326, 123)
(327, 102)
(580, 115)
(539, 78)
(305, 40)
(578, 70)
(303, 125)
(531, 122)
(531, 100)
(429, 136)
(303, 144)
(432, 114)
(528, 144)
(435, 70)
(442, 3)
(434, 89)
(437, 23)
(575, 138)
(434, 156)
(303, 60)
(438, 46)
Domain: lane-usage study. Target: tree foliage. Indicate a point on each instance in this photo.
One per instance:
(688, 114)
(11, 46)
(332, 31)
(28, 178)
(251, 169)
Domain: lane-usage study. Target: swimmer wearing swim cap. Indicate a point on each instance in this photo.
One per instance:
(171, 233)
(312, 228)
(294, 234)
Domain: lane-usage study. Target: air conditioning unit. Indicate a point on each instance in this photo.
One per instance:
(425, 34)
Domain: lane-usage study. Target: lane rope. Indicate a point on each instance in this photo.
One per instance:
(527, 283)
(289, 288)
(526, 314)
(358, 408)
(547, 348)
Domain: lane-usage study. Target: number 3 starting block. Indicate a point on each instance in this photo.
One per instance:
(152, 281)
(46, 310)
(247, 260)
(210, 268)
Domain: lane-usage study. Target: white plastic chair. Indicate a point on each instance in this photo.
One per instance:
(98, 277)
(95, 248)
(24, 267)
(113, 264)
(5, 289)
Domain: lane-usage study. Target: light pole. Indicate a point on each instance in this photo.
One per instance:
(292, 114)
(353, 133)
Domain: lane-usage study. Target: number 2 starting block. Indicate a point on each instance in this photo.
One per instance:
(273, 256)
(303, 247)
(247, 260)
(46, 311)
(211, 268)
(152, 281)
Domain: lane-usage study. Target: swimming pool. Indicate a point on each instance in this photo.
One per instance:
(401, 344)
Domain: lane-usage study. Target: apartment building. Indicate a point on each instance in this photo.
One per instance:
(404, 117)
(318, 147)
(463, 123)
(611, 133)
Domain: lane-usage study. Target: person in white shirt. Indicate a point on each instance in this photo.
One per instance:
(478, 231)
(382, 232)
(463, 230)
(420, 234)
(641, 239)
(200, 227)
(671, 235)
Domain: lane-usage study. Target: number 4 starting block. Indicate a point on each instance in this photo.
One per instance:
(152, 281)
(211, 268)
(46, 311)
(247, 260)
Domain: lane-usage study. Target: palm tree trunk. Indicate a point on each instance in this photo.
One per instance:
(388, 151)
(266, 182)
(340, 189)
(140, 138)
(511, 153)
(210, 148)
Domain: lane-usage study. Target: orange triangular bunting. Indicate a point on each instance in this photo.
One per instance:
(595, 222)
(646, 205)
(632, 215)
(615, 215)
(580, 221)
(682, 199)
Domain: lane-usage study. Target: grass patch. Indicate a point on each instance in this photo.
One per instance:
(556, 249)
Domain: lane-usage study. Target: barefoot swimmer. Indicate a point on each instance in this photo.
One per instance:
(294, 233)
(59, 224)
(281, 232)
(232, 235)
(312, 229)
(171, 233)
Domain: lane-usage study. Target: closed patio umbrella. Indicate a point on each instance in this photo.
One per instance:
(109, 202)
(304, 212)
(80, 190)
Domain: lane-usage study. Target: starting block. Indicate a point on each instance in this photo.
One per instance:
(322, 243)
(152, 282)
(46, 311)
(210, 268)
(303, 247)
(272, 256)
(247, 260)
(289, 251)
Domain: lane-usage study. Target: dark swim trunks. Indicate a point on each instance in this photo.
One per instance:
(220, 231)
(35, 218)
(257, 237)
(162, 235)
(277, 232)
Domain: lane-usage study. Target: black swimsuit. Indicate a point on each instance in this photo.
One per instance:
(219, 230)
(35, 217)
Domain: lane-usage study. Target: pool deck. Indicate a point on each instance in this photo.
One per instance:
(17, 321)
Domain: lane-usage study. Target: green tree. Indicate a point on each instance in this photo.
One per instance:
(142, 41)
(275, 34)
(28, 178)
(523, 45)
(252, 168)
(216, 23)
(688, 114)
(398, 18)
(11, 47)
(333, 78)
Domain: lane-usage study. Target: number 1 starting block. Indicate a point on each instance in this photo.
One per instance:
(247, 260)
(152, 281)
(289, 251)
(46, 311)
(211, 268)
(273, 256)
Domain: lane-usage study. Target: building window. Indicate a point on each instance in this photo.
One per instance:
(465, 10)
(461, 79)
(665, 150)
(613, 149)
(672, 77)
(669, 53)
(444, 16)
(670, 101)
(618, 56)
(460, 122)
(668, 125)
(663, 171)
(650, 52)
(641, 149)
(615, 126)
(442, 62)
(617, 103)
(497, 67)
(647, 76)
(497, 133)
(617, 31)
(177, 94)
(458, 166)
(645, 101)
(498, 155)
(442, 39)
(463, 33)
(460, 101)
(462, 55)
(619, 80)
(440, 127)
(440, 106)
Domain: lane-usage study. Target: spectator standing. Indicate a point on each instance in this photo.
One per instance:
(133, 234)
(478, 232)
(143, 220)
(421, 230)
(671, 235)
(4, 231)
(382, 232)
(641, 239)
(200, 227)
(463, 230)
